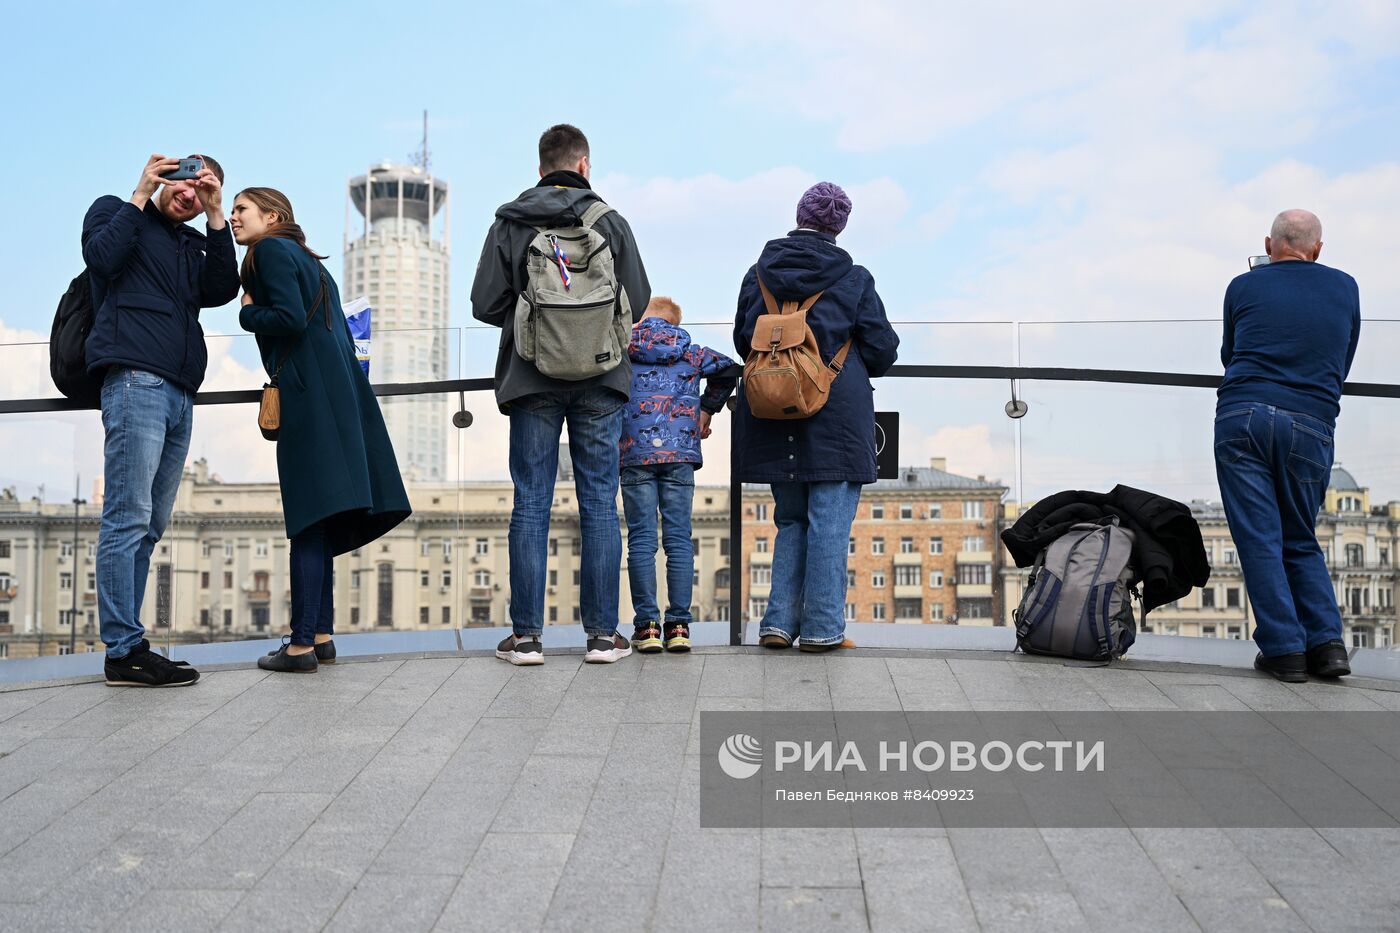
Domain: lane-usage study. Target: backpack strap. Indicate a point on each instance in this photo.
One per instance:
(595, 210)
(788, 307)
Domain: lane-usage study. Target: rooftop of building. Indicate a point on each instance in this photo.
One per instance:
(408, 791)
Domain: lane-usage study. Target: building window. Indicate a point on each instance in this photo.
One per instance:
(65, 581)
(851, 547)
(757, 607)
(261, 617)
(877, 546)
(483, 578)
(1208, 598)
(760, 574)
(446, 615)
(65, 549)
(554, 578)
(1360, 638)
(446, 579)
(906, 511)
(906, 545)
(906, 576)
(204, 548)
(1207, 631)
(446, 548)
(761, 545)
(877, 510)
(384, 611)
(260, 583)
(553, 613)
(935, 545)
(423, 616)
(425, 578)
(909, 610)
(204, 580)
(722, 579)
(4, 548)
(577, 578)
(1234, 631)
(1356, 555)
(1384, 554)
(723, 547)
(1232, 597)
(1232, 559)
(228, 619)
(972, 509)
(761, 511)
(935, 579)
(228, 579)
(850, 578)
(974, 544)
(935, 612)
(204, 618)
(354, 579)
(850, 612)
(877, 578)
(260, 549)
(974, 575)
(553, 547)
(483, 546)
(877, 612)
(228, 550)
(935, 510)
(425, 548)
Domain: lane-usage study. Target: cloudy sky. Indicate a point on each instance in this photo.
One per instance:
(1095, 171)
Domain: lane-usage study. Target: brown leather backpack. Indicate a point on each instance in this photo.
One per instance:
(784, 376)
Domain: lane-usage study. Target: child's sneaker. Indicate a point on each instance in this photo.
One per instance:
(677, 636)
(646, 638)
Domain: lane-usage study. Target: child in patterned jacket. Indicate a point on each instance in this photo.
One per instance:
(662, 426)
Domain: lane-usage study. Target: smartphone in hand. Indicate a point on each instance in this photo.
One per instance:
(188, 169)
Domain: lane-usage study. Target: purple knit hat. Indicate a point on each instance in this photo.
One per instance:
(824, 207)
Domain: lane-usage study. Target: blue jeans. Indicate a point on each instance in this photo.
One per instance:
(594, 417)
(670, 489)
(808, 594)
(313, 595)
(147, 422)
(1274, 467)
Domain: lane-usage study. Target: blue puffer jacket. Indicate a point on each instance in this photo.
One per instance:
(661, 422)
(837, 444)
(150, 277)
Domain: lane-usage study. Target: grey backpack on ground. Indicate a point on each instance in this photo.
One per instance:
(1079, 596)
(573, 320)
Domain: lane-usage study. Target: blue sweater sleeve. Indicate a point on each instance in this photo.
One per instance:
(110, 231)
(1227, 343)
(1355, 330)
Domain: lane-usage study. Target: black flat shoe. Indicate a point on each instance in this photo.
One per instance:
(1289, 668)
(1329, 659)
(325, 652)
(283, 663)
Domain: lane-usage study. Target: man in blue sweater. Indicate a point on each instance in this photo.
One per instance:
(151, 273)
(1291, 330)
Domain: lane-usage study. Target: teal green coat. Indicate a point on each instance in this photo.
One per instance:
(334, 458)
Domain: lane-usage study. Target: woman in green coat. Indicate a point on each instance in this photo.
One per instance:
(341, 487)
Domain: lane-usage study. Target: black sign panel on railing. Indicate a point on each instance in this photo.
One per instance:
(887, 444)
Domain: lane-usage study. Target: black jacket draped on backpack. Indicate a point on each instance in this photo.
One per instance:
(1168, 552)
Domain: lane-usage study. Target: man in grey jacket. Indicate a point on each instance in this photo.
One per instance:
(538, 406)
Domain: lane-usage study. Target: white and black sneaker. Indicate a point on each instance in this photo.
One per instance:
(521, 649)
(605, 649)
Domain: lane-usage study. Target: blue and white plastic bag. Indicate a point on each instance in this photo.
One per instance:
(357, 314)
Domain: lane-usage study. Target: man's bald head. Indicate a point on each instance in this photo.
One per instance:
(1296, 234)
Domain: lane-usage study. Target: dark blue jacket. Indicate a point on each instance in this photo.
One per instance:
(150, 277)
(1291, 330)
(838, 442)
(661, 423)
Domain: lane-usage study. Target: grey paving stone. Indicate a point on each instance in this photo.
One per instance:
(1334, 696)
(444, 829)
(1264, 694)
(1012, 910)
(404, 903)
(332, 759)
(245, 847)
(1125, 689)
(1204, 862)
(1202, 697)
(709, 881)
(657, 704)
(807, 910)
(495, 750)
(739, 675)
(534, 692)
(488, 897)
(550, 795)
(986, 857)
(173, 909)
(810, 858)
(912, 882)
(289, 900)
(1221, 913)
(37, 758)
(1147, 903)
(14, 702)
(927, 684)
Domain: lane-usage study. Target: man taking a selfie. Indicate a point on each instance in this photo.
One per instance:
(151, 273)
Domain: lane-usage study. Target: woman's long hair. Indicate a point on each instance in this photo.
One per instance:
(272, 201)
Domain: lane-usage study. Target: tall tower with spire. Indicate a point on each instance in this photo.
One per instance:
(401, 262)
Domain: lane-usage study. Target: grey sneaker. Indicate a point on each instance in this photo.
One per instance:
(521, 650)
(605, 649)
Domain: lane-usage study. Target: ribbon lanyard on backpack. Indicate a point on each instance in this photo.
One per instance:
(562, 261)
